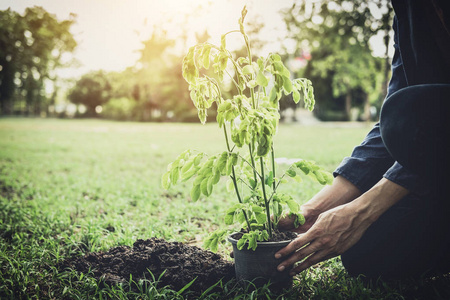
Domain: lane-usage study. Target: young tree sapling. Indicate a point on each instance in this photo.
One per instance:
(249, 120)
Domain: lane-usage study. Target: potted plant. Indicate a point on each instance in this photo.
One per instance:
(249, 121)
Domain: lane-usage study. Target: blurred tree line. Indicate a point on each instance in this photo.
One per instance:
(32, 47)
(331, 48)
(347, 78)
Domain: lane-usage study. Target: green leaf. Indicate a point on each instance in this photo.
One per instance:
(305, 166)
(212, 242)
(295, 96)
(298, 178)
(208, 241)
(204, 187)
(287, 85)
(299, 219)
(252, 242)
(220, 119)
(281, 69)
(257, 209)
(174, 175)
(275, 57)
(293, 205)
(264, 236)
(269, 179)
(252, 84)
(234, 159)
(188, 175)
(261, 218)
(214, 245)
(261, 79)
(230, 185)
(187, 166)
(223, 60)
(241, 242)
(202, 115)
(291, 173)
(221, 163)
(205, 56)
(323, 177)
(210, 185)
(198, 159)
(240, 217)
(195, 193)
(229, 219)
(223, 42)
(229, 167)
(198, 180)
(248, 69)
(165, 180)
(252, 183)
(273, 94)
(216, 177)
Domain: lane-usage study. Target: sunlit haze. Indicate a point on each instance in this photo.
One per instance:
(109, 32)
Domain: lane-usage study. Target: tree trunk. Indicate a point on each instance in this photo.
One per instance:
(366, 113)
(348, 104)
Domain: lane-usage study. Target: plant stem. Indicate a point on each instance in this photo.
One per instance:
(274, 186)
(273, 168)
(239, 196)
(234, 177)
(253, 162)
(266, 203)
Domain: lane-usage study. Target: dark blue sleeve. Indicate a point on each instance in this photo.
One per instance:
(371, 161)
(368, 162)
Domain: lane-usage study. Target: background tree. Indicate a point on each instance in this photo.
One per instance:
(155, 59)
(337, 33)
(11, 31)
(32, 46)
(91, 90)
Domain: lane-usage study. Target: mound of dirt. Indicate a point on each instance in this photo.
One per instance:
(181, 263)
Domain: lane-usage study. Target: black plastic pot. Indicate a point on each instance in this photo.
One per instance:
(259, 266)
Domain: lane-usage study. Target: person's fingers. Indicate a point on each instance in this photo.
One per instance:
(299, 255)
(310, 261)
(297, 243)
(286, 222)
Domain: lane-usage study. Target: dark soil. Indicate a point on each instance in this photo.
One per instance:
(182, 264)
(278, 236)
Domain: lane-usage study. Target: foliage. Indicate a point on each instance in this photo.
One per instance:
(337, 33)
(153, 89)
(92, 90)
(118, 109)
(249, 125)
(32, 46)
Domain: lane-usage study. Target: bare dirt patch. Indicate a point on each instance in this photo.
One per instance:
(178, 263)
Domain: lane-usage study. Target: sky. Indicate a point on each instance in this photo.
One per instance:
(109, 32)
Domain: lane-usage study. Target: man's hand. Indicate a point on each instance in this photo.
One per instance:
(338, 229)
(287, 222)
(334, 232)
(340, 192)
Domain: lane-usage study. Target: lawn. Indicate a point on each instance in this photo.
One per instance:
(70, 187)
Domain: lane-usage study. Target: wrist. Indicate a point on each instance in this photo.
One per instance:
(340, 192)
(372, 204)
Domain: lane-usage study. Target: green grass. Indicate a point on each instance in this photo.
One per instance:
(68, 187)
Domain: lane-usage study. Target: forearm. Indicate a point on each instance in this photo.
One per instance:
(340, 192)
(372, 204)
